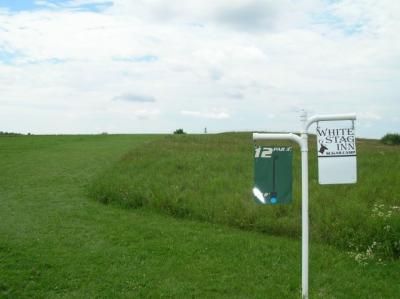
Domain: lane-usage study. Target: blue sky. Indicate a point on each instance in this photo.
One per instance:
(19, 5)
(7, 57)
(31, 5)
(87, 66)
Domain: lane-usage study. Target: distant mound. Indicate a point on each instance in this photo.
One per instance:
(210, 177)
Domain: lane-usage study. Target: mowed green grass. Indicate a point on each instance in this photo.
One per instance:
(210, 178)
(55, 242)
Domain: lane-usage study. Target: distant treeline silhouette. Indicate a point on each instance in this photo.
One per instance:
(391, 139)
(11, 134)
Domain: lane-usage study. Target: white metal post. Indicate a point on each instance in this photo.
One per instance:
(302, 140)
(304, 206)
(304, 219)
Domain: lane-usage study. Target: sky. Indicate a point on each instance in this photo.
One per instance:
(153, 66)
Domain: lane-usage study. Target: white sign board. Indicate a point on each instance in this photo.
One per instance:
(336, 146)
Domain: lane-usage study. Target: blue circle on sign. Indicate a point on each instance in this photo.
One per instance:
(273, 199)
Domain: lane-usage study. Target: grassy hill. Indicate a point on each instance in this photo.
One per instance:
(55, 242)
(209, 178)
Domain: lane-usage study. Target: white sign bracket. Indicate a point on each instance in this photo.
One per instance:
(302, 140)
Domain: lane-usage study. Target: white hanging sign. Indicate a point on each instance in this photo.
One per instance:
(336, 146)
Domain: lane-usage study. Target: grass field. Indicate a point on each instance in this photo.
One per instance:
(210, 178)
(56, 242)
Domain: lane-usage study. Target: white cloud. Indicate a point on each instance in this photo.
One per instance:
(369, 116)
(133, 113)
(212, 114)
(255, 58)
(131, 97)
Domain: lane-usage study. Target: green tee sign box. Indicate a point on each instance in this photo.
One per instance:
(273, 174)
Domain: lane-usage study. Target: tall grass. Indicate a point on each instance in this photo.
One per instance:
(209, 178)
